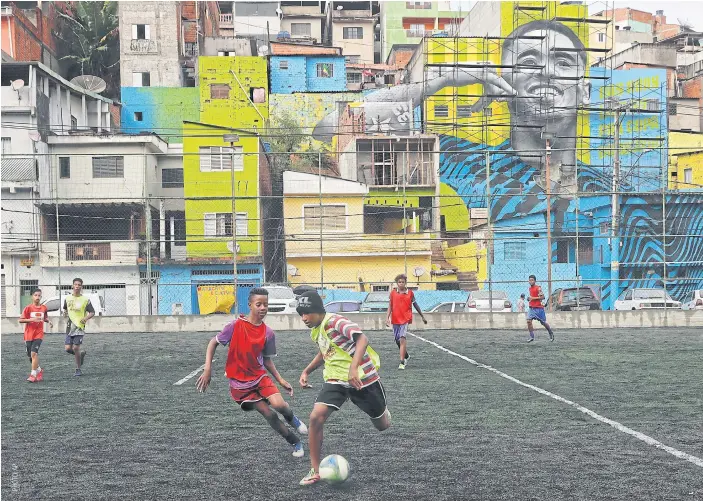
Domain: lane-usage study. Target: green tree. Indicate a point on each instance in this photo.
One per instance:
(89, 42)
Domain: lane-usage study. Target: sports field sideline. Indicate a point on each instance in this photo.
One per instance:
(460, 431)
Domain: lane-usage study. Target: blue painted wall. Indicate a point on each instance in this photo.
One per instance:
(301, 75)
(163, 110)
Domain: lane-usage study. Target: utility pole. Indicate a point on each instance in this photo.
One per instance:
(231, 139)
(489, 249)
(548, 152)
(615, 224)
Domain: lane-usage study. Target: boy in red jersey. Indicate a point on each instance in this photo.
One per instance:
(33, 316)
(536, 311)
(400, 314)
(251, 347)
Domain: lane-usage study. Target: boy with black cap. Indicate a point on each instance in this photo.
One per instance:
(350, 373)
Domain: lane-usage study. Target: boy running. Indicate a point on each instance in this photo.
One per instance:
(536, 311)
(400, 314)
(34, 315)
(252, 344)
(79, 311)
(350, 373)
(521, 304)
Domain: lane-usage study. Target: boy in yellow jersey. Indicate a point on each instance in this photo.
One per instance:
(79, 311)
(351, 373)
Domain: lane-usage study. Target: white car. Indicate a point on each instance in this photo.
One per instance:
(281, 300)
(645, 299)
(448, 307)
(479, 302)
(54, 305)
(693, 300)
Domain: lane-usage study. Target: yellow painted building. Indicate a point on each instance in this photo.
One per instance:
(350, 256)
(685, 160)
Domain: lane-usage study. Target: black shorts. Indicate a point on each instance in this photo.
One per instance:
(33, 346)
(371, 399)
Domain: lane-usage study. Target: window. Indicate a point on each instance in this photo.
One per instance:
(257, 9)
(141, 79)
(353, 33)
(688, 175)
(325, 70)
(652, 104)
(219, 224)
(673, 109)
(300, 29)
(219, 91)
(172, 178)
(283, 65)
(141, 32)
(444, 308)
(178, 219)
(380, 288)
(138, 116)
(6, 145)
(514, 251)
(418, 5)
(601, 37)
(64, 167)
(333, 308)
(389, 79)
(463, 111)
(441, 111)
(52, 305)
(74, 123)
(488, 112)
(257, 95)
(27, 286)
(332, 218)
(106, 167)
(352, 59)
(628, 296)
(417, 30)
(354, 78)
(219, 158)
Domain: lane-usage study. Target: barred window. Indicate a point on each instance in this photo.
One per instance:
(441, 111)
(300, 29)
(219, 91)
(354, 78)
(463, 111)
(219, 224)
(172, 178)
(325, 70)
(356, 33)
(108, 167)
(283, 65)
(331, 217)
(514, 251)
(219, 158)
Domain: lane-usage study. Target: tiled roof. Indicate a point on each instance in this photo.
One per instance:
(291, 49)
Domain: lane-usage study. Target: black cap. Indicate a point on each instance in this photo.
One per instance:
(310, 302)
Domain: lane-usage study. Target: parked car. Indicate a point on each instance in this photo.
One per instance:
(54, 305)
(574, 299)
(479, 301)
(281, 299)
(448, 307)
(376, 302)
(693, 300)
(349, 306)
(641, 299)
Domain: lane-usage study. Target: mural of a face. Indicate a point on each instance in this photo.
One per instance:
(557, 87)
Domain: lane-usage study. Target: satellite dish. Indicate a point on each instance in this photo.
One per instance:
(229, 246)
(292, 270)
(419, 271)
(90, 82)
(35, 136)
(17, 84)
(263, 50)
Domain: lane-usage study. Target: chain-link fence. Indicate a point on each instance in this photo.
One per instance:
(153, 230)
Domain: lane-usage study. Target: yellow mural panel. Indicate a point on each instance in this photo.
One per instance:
(215, 298)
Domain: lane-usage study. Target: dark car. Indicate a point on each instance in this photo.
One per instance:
(376, 302)
(574, 299)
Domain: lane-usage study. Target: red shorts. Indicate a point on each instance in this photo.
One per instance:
(262, 391)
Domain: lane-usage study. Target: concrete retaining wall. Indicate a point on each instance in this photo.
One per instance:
(371, 322)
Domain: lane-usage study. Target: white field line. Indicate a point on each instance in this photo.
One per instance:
(191, 375)
(618, 426)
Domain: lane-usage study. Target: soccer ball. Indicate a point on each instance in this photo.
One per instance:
(334, 469)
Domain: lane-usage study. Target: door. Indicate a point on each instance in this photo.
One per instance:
(3, 298)
(115, 300)
(147, 294)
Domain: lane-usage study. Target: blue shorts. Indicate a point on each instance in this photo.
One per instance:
(537, 314)
(77, 339)
(399, 331)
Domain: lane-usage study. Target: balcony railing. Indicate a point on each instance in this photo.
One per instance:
(308, 245)
(190, 49)
(88, 252)
(226, 21)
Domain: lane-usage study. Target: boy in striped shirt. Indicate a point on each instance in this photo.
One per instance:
(350, 373)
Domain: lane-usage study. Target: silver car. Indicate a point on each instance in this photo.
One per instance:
(478, 302)
(693, 300)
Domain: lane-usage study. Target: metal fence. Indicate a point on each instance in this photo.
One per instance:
(155, 233)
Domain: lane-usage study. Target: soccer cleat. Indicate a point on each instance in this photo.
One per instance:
(298, 451)
(32, 379)
(551, 336)
(529, 340)
(405, 362)
(401, 366)
(40, 375)
(311, 478)
(78, 373)
(83, 356)
(299, 426)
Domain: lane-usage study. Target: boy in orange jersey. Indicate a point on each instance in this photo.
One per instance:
(34, 316)
(400, 314)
